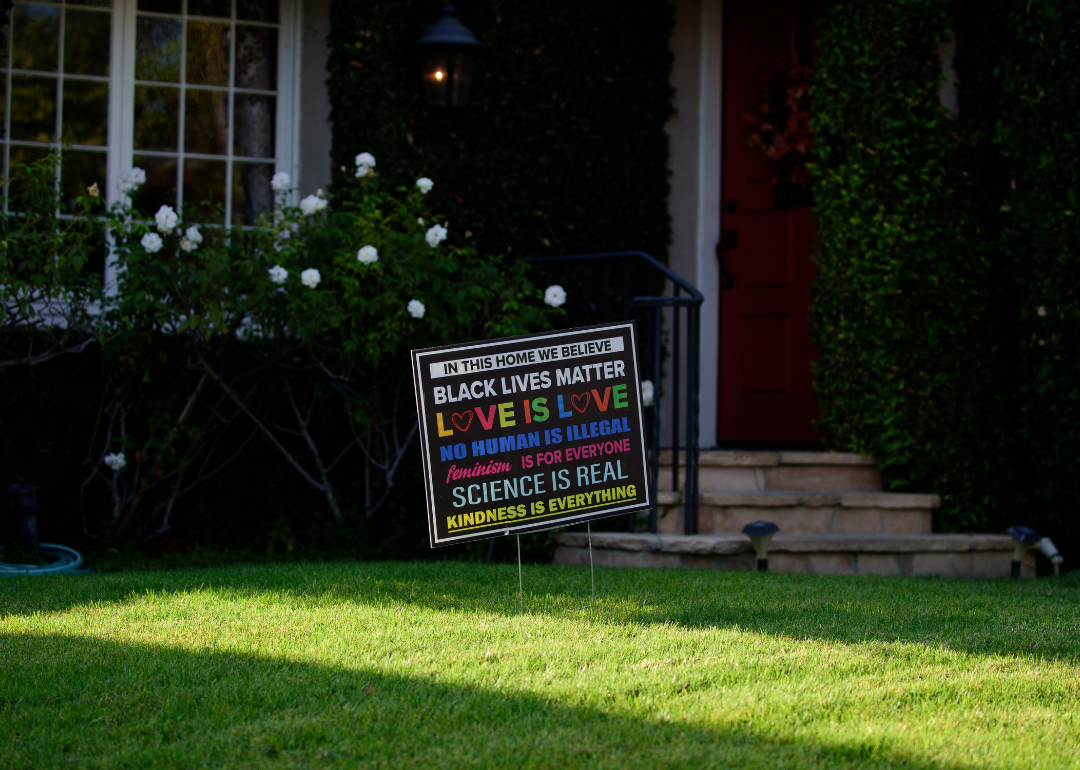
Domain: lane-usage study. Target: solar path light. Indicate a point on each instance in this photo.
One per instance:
(761, 534)
(1024, 538)
(448, 51)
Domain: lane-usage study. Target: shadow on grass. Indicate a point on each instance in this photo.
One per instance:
(97, 703)
(979, 617)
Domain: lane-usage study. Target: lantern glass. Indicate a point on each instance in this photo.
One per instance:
(436, 76)
(447, 77)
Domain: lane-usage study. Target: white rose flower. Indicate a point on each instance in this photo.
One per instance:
(151, 242)
(131, 179)
(646, 393)
(166, 219)
(435, 235)
(312, 205)
(416, 308)
(555, 295)
(188, 245)
(362, 171)
(310, 277)
(116, 461)
(193, 235)
(280, 181)
(368, 255)
(420, 221)
(365, 159)
(278, 274)
(424, 184)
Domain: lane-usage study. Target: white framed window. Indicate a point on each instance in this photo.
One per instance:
(201, 94)
(57, 85)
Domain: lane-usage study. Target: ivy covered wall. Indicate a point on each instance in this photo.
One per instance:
(563, 147)
(946, 309)
(1038, 135)
(905, 309)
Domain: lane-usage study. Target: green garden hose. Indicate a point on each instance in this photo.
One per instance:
(63, 561)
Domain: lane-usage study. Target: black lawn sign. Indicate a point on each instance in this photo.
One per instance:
(528, 433)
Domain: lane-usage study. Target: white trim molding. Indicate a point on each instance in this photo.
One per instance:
(694, 203)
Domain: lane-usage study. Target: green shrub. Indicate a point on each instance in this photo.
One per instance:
(47, 291)
(295, 332)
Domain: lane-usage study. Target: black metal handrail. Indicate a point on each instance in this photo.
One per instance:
(640, 271)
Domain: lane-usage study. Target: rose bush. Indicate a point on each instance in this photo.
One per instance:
(295, 330)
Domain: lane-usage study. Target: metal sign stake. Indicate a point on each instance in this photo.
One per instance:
(592, 573)
(521, 591)
(592, 570)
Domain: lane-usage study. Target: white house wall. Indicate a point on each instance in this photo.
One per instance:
(694, 204)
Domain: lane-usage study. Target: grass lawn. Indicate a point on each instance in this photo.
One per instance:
(431, 664)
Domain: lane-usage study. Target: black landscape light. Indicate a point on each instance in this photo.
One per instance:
(761, 534)
(18, 511)
(1024, 538)
(448, 51)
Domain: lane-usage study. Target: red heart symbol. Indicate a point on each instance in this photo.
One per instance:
(582, 399)
(462, 420)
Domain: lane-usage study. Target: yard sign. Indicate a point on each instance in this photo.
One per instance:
(529, 433)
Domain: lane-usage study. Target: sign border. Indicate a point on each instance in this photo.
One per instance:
(429, 491)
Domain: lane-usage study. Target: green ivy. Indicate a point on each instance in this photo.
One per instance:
(562, 149)
(906, 311)
(1040, 138)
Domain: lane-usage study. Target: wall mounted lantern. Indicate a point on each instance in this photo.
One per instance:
(448, 51)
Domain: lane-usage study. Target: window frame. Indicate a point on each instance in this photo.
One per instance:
(122, 104)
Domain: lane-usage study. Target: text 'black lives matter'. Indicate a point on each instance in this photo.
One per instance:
(532, 432)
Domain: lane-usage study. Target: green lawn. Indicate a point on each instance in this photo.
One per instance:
(431, 665)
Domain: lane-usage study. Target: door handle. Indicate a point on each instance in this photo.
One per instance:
(727, 280)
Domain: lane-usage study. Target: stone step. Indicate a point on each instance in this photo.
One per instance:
(804, 513)
(768, 471)
(954, 556)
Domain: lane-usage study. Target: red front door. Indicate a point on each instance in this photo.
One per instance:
(766, 389)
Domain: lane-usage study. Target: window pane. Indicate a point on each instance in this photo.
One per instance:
(85, 111)
(85, 118)
(206, 122)
(251, 192)
(21, 155)
(78, 171)
(35, 37)
(256, 58)
(157, 118)
(33, 108)
(257, 10)
(208, 53)
(98, 3)
(254, 133)
(157, 49)
(209, 8)
(160, 187)
(160, 6)
(86, 42)
(204, 189)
